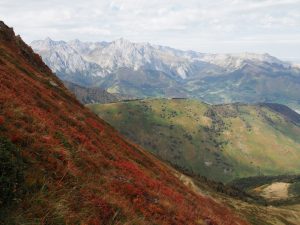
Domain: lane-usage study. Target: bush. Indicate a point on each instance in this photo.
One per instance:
(1, 120)
(11, 172)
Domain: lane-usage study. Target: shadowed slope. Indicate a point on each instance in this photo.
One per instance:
(90, 95)
(284, 110)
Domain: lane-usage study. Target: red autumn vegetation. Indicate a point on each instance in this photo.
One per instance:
(1, 120)
(79, 169)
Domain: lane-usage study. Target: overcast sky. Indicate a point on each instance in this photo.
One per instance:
(271, 26)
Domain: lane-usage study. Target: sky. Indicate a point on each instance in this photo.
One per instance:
(213, 26)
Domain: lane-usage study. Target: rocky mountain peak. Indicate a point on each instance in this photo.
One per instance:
(6, 33)
(122, 41)
(151, 70)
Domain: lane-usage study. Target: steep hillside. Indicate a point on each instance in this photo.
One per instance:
(145, 70)
(90, 95)
(73, 168)
(221, 142)
(285, 111)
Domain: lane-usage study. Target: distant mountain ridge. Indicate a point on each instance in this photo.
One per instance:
(145, 70)
(123, 53)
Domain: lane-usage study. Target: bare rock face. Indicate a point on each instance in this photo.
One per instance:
(6, 33)
(146, 70)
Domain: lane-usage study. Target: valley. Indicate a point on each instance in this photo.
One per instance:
(130, 133)
(203, 139)
(61, 164)
(221, 142)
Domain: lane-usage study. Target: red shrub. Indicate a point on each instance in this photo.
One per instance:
(73, 169)
(154, 185)
(47, 139)
(104, 210)
(93, 221)
(132, 190)
(170, 193)
(81, 138)
(1, 120)
(15, 138)
(131, 168)
(152, 210)
(95, 124)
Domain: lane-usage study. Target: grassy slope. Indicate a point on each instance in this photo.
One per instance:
(286, 214)
(79, 170)
(295, 189)
(221, 142)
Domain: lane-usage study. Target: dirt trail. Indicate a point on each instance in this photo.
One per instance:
(276, 191)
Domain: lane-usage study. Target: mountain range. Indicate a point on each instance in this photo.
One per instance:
(61, 164)
(143, 70)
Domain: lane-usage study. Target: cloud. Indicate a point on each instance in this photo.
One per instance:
(188, 24)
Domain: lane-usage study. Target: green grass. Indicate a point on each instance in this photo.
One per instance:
(221, 142)
(295, 189)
